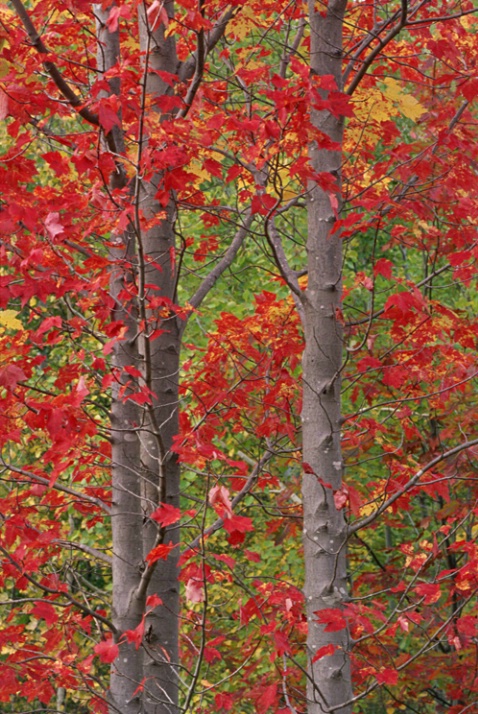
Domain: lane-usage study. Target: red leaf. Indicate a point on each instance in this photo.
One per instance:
(136, 635)
(195, 590)
(45, 611)
(233, 172)
(263, 204)
(241, 524)
(156, 15)
(430, 591)
(53, 225)
(161, 552)
(332, 618)
(166, 514)
(267, 698)
(115, 14)
(383, 267)
(219, 500)
(108, 113)
(334, 204)
(355, 500)
(3, 104)
(213, 167)
(387, 676)
(323, 652)
(11, 375)
(223, 558)
(167, 102)
(107, 650)
(153, 601)
(341, 497)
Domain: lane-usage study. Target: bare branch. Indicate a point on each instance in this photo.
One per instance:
(226, 260)
(275, 242)
(85, 549)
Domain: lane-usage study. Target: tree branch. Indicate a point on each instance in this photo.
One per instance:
(381, 45)
(58, 487)
(63, 86)
(51, 591)
(219, 522)
(226, 260)
(85, 549)
(290, 276)
(187, 69)
(358, 525)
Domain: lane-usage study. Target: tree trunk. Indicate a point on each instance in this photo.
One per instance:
(144, 471)
(160, 357)
(329, 682)
(126, 512)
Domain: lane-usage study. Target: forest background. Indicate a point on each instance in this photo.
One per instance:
(238, 356)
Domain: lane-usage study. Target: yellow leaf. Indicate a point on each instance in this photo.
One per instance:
(4, 68)
(243, 23)
(367, 509)
(371, 104)
(407, 104)
(196, 168)
(8, 319)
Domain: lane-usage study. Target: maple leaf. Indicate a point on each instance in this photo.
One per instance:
(136, 635)
(341, 497)
(4, 110)
(323, 652)
(11, 375)
(430, 591)
(153, 601)
(8, 319)
(115, 14)
(53, 225)
(46, 612)
(263, 204)
(108, 113)
(166, 514)
(383, 267)
(240, 524)
(160, 552)
(195, 590)
(387, 676)
(408, 105)
(107, 650)
(219, 499)
(267, 698)
(332, 618)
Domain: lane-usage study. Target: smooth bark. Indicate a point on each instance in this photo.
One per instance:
(324, 526)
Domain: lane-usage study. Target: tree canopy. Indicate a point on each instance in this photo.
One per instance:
(238, 356)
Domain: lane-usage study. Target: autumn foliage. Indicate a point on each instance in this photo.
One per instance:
(213, 161)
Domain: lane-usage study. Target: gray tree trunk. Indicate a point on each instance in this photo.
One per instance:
(126, 512)
(144, 471)
(324, 538)
(161, 372)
